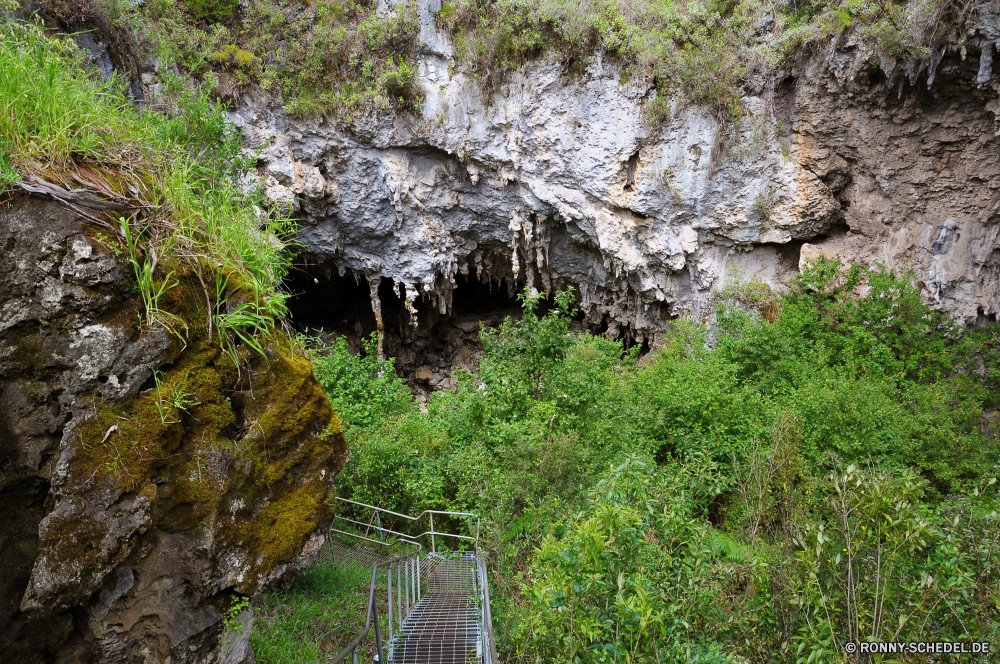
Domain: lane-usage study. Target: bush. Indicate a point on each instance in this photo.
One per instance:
(878, 565)
(352, 61)
(628, 578)
(212, 10)
(363, 389)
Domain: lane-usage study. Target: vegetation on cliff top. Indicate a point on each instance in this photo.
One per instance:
(341, 58)
(823, 473)
(712, 53)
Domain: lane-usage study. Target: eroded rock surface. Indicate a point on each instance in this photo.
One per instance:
(126, 530)
(562, 181)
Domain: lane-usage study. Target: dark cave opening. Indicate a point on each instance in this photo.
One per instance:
(328, 304)
(324, 299)
(428, 354)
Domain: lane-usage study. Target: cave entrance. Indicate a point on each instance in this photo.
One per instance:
(331, 305)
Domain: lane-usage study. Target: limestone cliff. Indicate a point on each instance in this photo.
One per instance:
(135, 506)
(560, 180)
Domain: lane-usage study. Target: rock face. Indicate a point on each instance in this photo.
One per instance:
(129, 522)
(562, 181)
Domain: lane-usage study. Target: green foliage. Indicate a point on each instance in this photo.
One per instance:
(625, 565)
(687, 47)
(764, 202)
(150, 292)
(340, 58)
(363, 389)
(50, 106)
(212, 10)
(233, 623)
(233, 55)
(172, 400)
(314, 619)
(879, 565)
(520, 354)
(8, 172)
(709, 54)
(629, 578)
(352, 60)
(335, 58)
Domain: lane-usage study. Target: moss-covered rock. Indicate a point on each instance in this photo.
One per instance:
(147, 479)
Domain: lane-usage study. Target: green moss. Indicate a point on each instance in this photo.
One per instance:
(79, 540)
(263, 437)
(295, 447)
(281, 530)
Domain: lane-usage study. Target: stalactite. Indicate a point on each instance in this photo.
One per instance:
(935, 60)
(985, 64)
(516, 224)
(373, 284)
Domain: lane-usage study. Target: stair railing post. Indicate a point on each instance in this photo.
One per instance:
(389, 579)
(419, 593)
(378, 636)
(414, 573)
(433, 548)
(355, 658)
(406, 573)
(485, 609)
(399, 595)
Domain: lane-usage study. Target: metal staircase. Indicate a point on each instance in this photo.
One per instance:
(438, 602)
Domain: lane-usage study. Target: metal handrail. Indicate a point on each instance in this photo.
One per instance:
(379, 542)
(402, 535)
(406, 516)
(430, 532)
(491, 643)
(408, 583)
(372, 611)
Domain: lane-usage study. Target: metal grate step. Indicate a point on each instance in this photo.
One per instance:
(442, 629)
(444, 626)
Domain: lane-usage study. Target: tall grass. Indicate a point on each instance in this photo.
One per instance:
(315, 618)
(52, 109)
(179, 166)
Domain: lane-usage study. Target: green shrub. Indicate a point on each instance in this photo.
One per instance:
(364, 389)
(735, 433)
(212, 10)
(628, 579)
(878, 565)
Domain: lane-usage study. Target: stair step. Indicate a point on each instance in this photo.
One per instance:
(444, 626)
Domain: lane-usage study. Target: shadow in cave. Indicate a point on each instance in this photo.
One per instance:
(427, 354)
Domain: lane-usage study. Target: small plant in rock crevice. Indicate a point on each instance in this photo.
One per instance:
(765, 202)
(173, 399)
(233, 621)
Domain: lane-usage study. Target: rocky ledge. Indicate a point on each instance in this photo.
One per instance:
(136, 506)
